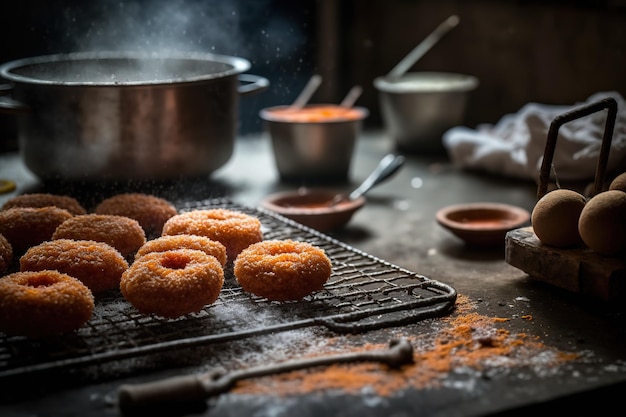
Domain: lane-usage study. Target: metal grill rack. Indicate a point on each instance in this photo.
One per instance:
(363, 293)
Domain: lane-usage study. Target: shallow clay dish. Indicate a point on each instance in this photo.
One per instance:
(482, 224)
(313, 207)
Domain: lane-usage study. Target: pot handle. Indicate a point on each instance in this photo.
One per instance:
(255, 84)
(8, 104)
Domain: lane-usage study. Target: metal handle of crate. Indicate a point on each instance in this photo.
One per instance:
(607, 103)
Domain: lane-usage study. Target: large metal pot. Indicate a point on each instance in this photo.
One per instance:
(108, 115)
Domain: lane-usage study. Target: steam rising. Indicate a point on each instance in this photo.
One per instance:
(274, 35)
(183, 25)
(152, 26)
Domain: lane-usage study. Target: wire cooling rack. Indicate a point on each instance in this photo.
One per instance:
(364, 293)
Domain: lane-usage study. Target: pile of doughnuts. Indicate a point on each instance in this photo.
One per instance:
(56, 257)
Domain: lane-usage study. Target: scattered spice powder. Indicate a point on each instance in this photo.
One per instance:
(465, 339)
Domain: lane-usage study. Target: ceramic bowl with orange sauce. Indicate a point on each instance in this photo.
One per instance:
(314, 207)
(482, 224)
(313, 144)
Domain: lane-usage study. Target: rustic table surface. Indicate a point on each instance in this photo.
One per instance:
(542, 347)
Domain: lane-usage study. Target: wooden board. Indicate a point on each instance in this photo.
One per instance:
(581, 271)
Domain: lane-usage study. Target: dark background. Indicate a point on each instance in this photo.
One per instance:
(277, 36)
(555, 52)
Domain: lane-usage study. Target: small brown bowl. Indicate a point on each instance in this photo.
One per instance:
(482, 224)
(313, 207)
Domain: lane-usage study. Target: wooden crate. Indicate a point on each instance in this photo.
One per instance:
(579, 270)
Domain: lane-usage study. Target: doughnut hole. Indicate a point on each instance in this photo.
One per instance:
(40, 280)
(175, 261)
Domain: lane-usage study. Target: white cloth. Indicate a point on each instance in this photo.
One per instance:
(515, 145)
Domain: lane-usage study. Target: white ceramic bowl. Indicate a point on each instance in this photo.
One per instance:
(419, 107)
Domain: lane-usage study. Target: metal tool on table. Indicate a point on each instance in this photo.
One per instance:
(136, 399)
(387, 166)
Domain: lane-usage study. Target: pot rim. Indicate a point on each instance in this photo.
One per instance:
(236, 65)
(427, 82)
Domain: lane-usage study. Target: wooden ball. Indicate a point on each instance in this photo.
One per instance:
(619, 183)
(602, 224)
(555, 218)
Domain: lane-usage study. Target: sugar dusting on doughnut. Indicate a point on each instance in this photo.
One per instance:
(123, 233)
(43, 303)
(98, 265)
(234, 229)
(282, 270)
(173, 283)
(6, 255)
(24, 227)
(38, 200)
(150, 211)
(171, 242)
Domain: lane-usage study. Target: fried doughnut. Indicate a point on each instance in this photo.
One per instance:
(43, 303)
(173, 283)
(24, 227)
(123, 233)
(6, 254)
(97, 264)
(171, 242)
(150, 211)
(234, 229)
(46, 200)
(282, 270)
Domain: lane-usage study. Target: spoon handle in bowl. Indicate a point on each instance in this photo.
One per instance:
(385, 169)
(420, 50)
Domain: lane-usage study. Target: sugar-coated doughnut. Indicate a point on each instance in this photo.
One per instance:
(46, 200)
(172, 242)
(234, 229)
(6, 255)
(123, 233)
(282, 270)
(150, 211)
(43, 303)
(173, 283)
(97, 264)
(24, 227)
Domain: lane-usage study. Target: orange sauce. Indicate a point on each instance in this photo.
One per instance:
(484, 222)
(319, 113)
(313, 205)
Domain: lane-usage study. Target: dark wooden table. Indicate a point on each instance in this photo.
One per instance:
(398, 225)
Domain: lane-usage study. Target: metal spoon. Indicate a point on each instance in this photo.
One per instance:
(307, 92)
(387, 166)
(423, 47)
(352, 96)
